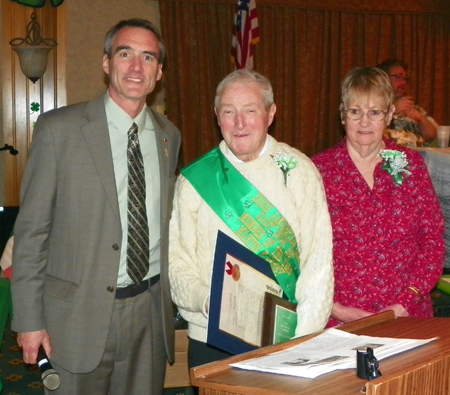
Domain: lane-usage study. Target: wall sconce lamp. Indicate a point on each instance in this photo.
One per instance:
(33, 50)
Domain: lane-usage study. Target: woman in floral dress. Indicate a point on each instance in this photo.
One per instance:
(387, 223)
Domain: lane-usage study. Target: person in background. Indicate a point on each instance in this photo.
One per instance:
(280, 178)
(410, 124)
(388, 245)
(105, 321)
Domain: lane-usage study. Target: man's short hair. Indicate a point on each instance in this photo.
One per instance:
(136, 22)
(387, 64)
(246, 76)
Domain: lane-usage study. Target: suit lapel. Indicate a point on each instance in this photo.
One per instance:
(162, 145)
(96, 134)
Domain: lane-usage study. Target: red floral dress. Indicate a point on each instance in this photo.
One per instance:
(385, 239)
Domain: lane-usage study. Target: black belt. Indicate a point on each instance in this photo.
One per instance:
(134, 290)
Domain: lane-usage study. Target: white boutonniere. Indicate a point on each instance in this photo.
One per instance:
(396, 164)
(285, 162)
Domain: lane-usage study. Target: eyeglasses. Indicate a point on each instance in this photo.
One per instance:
(355, 114)
(399, 77)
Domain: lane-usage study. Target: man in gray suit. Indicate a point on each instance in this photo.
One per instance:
(105, 332)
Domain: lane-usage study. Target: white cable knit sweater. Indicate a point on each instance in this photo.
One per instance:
(193, 232)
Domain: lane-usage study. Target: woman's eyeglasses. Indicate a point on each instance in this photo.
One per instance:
(355, 114)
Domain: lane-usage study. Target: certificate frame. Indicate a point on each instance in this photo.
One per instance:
(226, 246)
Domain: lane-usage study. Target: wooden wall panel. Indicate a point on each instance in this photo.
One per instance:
(19, 92)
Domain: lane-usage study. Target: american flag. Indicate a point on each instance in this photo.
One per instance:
(245, 34)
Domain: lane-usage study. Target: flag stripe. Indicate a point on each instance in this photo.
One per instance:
(245, 34)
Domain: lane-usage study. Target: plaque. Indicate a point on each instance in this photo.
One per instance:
(279, 320)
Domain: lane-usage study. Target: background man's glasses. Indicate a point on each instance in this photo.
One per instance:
(399, 77)
(355, 114)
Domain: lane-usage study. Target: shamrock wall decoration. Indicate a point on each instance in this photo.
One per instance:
(34, 107)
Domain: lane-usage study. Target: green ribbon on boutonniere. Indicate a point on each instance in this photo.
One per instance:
(396, 164)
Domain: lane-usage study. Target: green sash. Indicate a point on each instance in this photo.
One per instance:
(249, 214)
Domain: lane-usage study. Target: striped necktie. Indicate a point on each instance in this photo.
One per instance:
(138, 234)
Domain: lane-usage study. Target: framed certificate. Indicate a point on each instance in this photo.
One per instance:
(240, 281)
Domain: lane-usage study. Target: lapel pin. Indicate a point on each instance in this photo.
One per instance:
(166, 152)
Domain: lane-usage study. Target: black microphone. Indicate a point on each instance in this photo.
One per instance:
(50, 377)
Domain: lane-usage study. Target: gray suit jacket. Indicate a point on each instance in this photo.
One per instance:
(65, 259)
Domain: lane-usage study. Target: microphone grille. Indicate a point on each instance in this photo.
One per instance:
(51, 379)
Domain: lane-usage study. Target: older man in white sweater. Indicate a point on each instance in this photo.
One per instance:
(251, 159)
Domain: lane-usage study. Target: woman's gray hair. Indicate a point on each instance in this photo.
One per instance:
(136, 22)
(367, 82)
(241, 76)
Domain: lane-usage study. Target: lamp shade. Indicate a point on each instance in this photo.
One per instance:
(33, 60)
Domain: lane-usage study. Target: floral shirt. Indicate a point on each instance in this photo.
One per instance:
(385, 239)
(405, 131)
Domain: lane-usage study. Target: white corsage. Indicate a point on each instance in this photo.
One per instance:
(396, 164)
(286, 163)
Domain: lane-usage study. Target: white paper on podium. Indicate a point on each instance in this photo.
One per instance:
(329, 351)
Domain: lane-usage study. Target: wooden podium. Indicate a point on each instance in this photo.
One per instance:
(422, 371)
